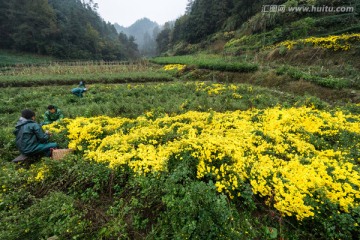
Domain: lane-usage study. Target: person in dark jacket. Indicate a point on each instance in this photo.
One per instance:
(30, 138)
(79, 90)
(82, 84)
(52, 114)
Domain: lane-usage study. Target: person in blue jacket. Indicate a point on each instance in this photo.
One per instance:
(79, 90)
(30, 138)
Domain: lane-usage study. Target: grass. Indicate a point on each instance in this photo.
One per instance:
(329, 81)
(11, 58)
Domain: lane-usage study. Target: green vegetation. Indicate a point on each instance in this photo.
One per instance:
(9, 58)
(240, 25)
(79, 199)
(219, 57)
(70, 79)
(236, 36)
(66, 29)
(330, 82)
(132, 100)
(91, 72)
(211, 62)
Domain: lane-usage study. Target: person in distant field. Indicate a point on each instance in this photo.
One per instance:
(79, 90)
(30, 138)
(52, 114)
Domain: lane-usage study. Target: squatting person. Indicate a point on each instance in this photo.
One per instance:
(30, 138)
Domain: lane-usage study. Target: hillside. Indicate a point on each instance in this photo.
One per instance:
(254, 26)
(66, 29)
(315, 53)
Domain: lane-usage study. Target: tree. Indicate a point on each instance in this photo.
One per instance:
(61, 28)
(179, 31)
(33, 23)
(205, 17)
(163, 39)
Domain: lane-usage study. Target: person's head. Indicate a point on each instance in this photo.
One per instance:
(51, 108)
(28, 114)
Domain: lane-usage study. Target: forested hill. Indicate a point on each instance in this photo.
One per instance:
(145, 32)
(207, 21)
(68, 29)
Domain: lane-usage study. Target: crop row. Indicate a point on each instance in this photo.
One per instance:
(210, 62)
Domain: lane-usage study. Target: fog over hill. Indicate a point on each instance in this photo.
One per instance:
(144, 31)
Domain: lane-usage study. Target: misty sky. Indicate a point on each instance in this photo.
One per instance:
(126, 12)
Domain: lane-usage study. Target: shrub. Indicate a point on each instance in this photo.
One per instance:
(53, 215)
(330, 81)
(195, 211)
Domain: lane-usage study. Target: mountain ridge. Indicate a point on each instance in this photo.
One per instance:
(145, 32)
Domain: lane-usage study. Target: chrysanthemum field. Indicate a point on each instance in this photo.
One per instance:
(194, 160)
(296, 159)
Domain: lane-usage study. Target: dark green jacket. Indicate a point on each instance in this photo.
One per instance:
(78, 91)
(29, 135)
(50, 117)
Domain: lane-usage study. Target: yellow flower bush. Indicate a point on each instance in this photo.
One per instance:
(177, 67)
(334, 42)
(38, 174)
(58, 128)
(295, 158)
(217, 89)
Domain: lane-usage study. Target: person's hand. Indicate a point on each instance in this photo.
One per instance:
(48, 133)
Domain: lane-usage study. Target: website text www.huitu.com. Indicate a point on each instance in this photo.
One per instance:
(307, 9)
